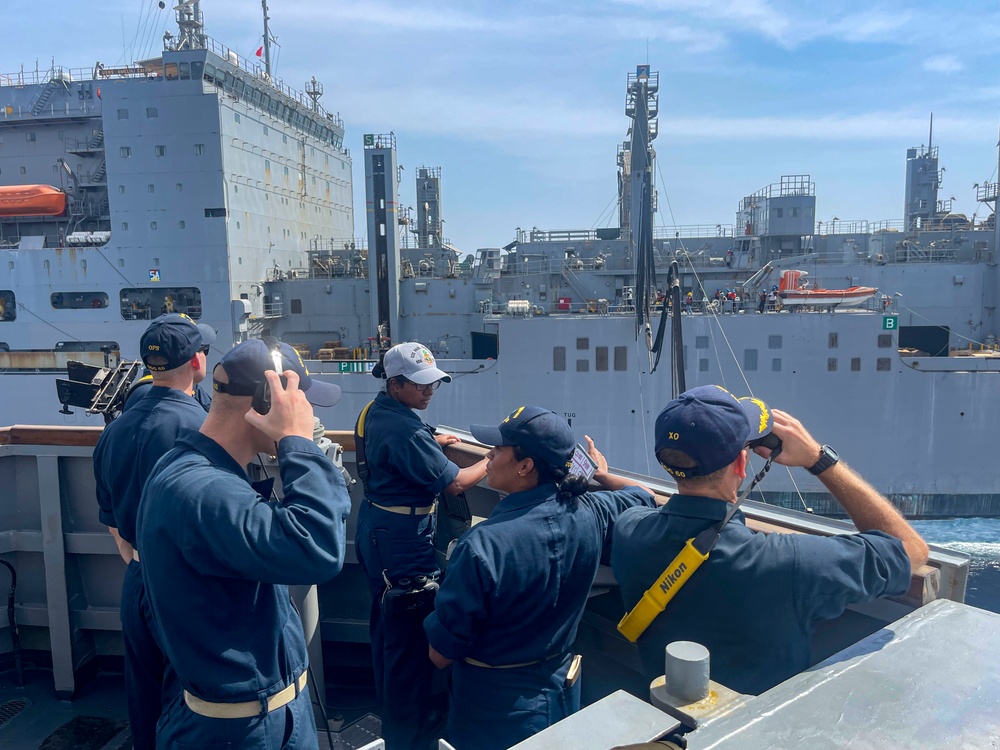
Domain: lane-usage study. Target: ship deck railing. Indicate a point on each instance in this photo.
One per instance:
(70, 570)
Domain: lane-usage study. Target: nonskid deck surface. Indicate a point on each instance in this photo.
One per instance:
(33, 718)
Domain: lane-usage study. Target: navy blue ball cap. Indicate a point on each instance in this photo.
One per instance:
(540, 433)
(246, 363)
(174, 337)
(712, 426)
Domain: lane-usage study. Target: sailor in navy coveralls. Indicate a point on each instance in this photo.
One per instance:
(217, 557)
(754, 603)
(174, 348)
(517, 584)
(406, 470)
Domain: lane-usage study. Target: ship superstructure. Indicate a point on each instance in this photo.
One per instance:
(190, 179)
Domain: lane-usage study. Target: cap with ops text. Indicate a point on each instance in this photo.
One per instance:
(414, 362)
(246, 363)
(711, 426)
(173, 337)
(541, 434)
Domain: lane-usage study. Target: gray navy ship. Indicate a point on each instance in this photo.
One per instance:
(197, 182)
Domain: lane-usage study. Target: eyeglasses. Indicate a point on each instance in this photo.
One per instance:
(422, 388)
(205, 350)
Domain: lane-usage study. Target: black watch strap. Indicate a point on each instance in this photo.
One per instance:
(827, 458)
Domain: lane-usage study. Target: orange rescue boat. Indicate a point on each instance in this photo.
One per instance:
(31, 200)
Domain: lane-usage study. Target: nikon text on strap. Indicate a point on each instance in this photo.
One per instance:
(695, 551)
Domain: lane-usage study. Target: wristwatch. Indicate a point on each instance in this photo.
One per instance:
(827, 458)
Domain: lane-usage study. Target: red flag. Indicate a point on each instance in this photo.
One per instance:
(259, 52)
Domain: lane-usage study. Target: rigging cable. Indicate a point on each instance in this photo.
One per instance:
(729, 346)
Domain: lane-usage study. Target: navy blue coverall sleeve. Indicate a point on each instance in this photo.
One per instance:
(301, 540)
(461, 605)
(846, 569)
(421, 460)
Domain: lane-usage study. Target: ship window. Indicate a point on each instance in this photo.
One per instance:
(179, 187)
(621, 358)
(79, 300)
(883, 364)
(885, 341)
(267, 164)
(286, 171)
(831, 364)
(150, 188)
(774, 342)
(215, 213)
(122, 114)
(199, 149)
(152, 113)
(185, 71)
(30, 137)
(558, 358)
(832, 341)
(152, 225)
(160, 150)
(210, 73)
(284, 138)
(855, 364)
(125, 152)
(266, 131)
(196, 69)
(147, 303)
(701, 342)
(296, 307)
(236, 116)
(24, 170)
(583, 365)
(702, 365)
(8, 306)
(776, 364)
(749, 359)
(582, 344)
(121, 189)
(125, 226)
(793, 212)
(777, 213)
(170, 71)
(601, 359)
(181, 224)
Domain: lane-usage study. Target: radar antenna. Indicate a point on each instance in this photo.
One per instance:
(191, 23)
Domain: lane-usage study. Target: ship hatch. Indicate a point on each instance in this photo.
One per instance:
(931, 339)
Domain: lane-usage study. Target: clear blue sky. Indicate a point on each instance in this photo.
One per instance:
(521, 102)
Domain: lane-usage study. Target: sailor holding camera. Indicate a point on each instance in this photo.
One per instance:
(753, 599)
(218, 557)
(517, 583)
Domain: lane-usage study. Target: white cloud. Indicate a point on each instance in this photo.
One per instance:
(871, 126)
(943, 64)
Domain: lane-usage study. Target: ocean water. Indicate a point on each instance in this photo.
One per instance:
(980, 539)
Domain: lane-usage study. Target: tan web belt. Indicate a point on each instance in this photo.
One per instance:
(484, 665)
(245, 709)
(406, 510)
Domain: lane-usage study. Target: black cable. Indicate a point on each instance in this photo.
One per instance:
(15, 638)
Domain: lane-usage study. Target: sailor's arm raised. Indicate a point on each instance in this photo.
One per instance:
(867, 507)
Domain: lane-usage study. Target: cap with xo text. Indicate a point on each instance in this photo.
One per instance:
(246, 363)
(711, 426)
(173, 337)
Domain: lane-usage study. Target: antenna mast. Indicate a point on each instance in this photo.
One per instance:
(267, 40)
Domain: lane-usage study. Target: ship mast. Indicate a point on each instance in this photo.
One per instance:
(191, 23)
(267, 40)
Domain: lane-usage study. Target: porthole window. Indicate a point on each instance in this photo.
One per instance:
(78, 300)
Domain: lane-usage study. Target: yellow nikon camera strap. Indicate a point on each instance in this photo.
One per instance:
(695, 551)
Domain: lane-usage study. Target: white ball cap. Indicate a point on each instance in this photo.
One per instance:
(415, 363)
